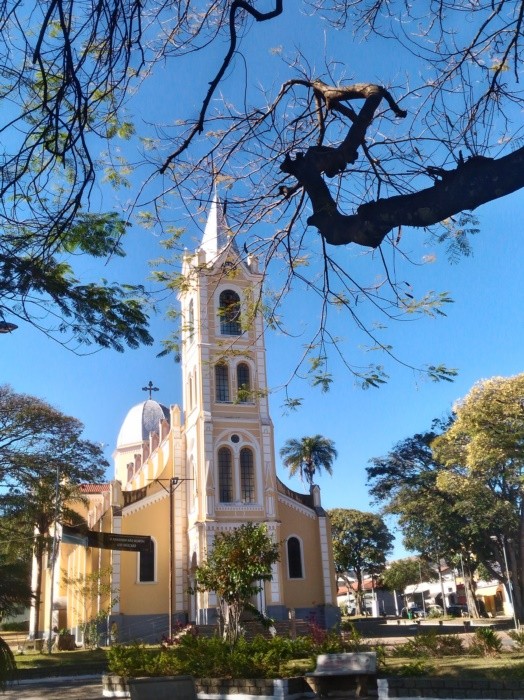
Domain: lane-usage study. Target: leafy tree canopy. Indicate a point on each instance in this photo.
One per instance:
(308, 456)
(234, 569)
(361, 541)
(37, 441)
(483, 452)
(456, 490)
(43, 461)
(361, 544)
(407, 572)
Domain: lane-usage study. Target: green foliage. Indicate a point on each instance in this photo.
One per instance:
(214, 657)
(40, 285)
(7, 664)
(518, 637)
(429, 644)
(486, 642)
(41, 448)
(87, 592)
(239, 561)
(136, 659)
(22, 626)
(482, 454)
(361, 543)
(415, 669)
(15, 587)
(406, 572)
(308, 456)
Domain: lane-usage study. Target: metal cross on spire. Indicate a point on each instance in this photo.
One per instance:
(150, 388)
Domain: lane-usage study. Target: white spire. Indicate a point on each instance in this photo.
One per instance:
(217, 234)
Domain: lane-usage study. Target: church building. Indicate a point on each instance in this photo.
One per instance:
(185, 473)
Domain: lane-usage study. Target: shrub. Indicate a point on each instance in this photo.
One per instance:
(415, 668)
(138, 660)
(7, 664)
(15, 626)
(518, 637)
(486, 642)
(430, 644)
(214, 657)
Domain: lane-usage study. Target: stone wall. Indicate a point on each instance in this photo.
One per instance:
(218, 688)
(474, 689)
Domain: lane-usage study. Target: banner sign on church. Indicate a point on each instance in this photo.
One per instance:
(106, 540)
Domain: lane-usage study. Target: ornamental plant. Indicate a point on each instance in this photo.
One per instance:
(235, 569)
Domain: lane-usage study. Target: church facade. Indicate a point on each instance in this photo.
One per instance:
(184, 474)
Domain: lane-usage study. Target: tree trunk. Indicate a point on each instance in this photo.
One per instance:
(359, 594)
(471, 599)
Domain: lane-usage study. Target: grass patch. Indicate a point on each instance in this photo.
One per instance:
(508, 665)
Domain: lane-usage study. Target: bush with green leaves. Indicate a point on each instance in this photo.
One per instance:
(214, 657)
(430, 644)
(419, 667)
(486, 642)
(132, 660)
(518, 637)
(7, 664)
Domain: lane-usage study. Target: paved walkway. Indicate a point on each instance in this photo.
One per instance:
(81, 688)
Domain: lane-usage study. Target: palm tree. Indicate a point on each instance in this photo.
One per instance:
(308, 456)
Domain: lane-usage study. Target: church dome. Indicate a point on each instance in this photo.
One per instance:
(141, 420)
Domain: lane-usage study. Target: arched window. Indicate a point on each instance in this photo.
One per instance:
(294, 558)
(243, 383)
(146, 565)
(191, 320)
(229, 313)
(225, 475)
(221, 383)
(247, 476)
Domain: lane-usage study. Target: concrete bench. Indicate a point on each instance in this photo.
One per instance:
(162, 688)
(335, 673)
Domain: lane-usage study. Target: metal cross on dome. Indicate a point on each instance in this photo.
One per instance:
(150, 388)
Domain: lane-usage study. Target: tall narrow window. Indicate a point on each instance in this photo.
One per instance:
(221, 383)
(146, 565)
(247, 476)
(229, 313)
(225, 475)
(243, 383)
(191, 320)
(294, 558)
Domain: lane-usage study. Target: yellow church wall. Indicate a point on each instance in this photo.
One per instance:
(149, 517)
(86, 563)
(295, 523)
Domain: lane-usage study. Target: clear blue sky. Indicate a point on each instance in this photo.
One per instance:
(482, 336)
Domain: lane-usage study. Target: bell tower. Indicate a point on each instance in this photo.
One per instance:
(229, 432)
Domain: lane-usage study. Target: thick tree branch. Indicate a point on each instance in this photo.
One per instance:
(473, 183)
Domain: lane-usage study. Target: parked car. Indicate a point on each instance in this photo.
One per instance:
(457, 610)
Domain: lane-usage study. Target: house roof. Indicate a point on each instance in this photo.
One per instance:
(94, 488)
